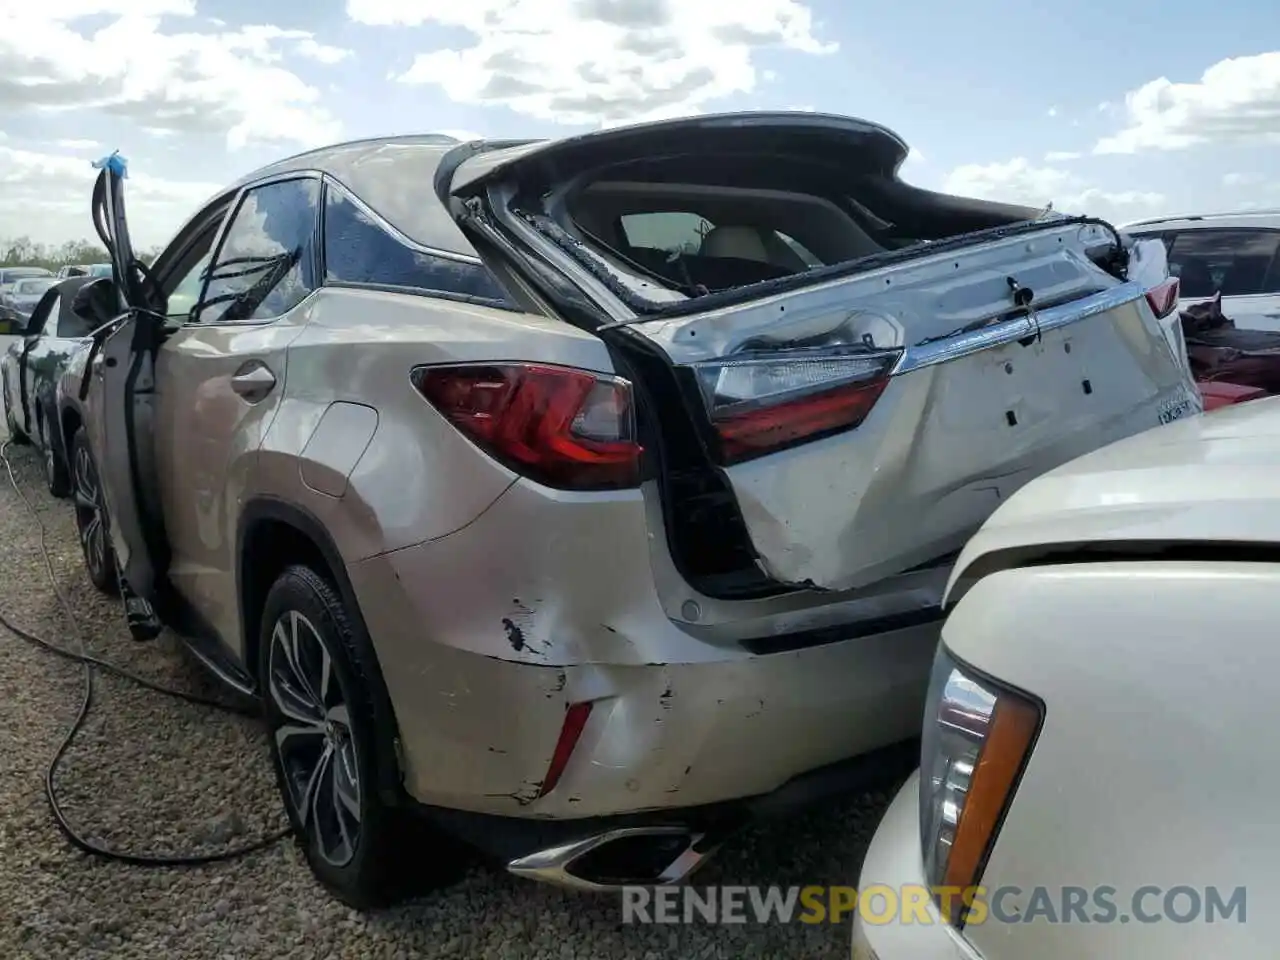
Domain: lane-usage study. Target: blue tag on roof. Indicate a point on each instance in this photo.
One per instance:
(115, 163)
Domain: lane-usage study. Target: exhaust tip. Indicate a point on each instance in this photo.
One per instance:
(628, 856)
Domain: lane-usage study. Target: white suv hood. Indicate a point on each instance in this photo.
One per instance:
(1207, 478)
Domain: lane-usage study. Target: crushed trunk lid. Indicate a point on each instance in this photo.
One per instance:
(958, 370)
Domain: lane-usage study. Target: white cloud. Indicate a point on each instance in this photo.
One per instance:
(1241, 179)
(313, 49)
(1235, 99)
(229, 83)
(1061, 156)
(1053, 111)
(599, 62)
(77, 144)
(46, 196)
(1019, 181)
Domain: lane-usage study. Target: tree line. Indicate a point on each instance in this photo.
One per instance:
(25, 252)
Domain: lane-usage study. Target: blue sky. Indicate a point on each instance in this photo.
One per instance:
(1103, 108)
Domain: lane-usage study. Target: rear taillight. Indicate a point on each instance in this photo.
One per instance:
(1163, 297)
(560, 426)
(762, 403)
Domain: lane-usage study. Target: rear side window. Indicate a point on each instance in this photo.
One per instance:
(676, 231)
(263, 267)
(1237, 263)
(358, 250)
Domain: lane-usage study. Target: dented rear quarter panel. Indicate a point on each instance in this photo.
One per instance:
(416, 478)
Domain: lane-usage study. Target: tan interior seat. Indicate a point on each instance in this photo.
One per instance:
(744, 243)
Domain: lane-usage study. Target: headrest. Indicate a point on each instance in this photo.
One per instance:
(741, 242)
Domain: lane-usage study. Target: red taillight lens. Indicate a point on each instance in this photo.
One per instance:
(560, 426)
(764, 403)
(575, 721)
(1163, 297)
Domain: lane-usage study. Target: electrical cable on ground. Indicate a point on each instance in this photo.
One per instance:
(90, 663)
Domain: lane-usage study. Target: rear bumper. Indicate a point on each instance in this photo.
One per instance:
(666, 846)
(487, 636)
(894, 860)
(478, 732)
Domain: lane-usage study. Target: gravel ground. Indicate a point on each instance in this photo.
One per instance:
(159, 776)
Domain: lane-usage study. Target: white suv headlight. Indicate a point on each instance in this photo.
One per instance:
(977, 737)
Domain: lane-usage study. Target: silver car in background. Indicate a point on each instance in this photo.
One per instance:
(21, 296)
(11, 316)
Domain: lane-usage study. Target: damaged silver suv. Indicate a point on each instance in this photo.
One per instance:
(586, 497)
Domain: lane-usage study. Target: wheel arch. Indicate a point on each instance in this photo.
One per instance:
(273, 534)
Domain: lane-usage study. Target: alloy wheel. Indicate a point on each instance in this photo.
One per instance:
(89, 512)
(314, 740)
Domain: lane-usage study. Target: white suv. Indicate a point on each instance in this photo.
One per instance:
(1232, 253)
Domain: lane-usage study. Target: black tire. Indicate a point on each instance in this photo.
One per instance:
(91, 517)
(369, 870)
(16, 436)
(56, 475)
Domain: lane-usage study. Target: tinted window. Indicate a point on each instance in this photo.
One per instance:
(668, 230)
(68, 325)
(263, 268)
(1235, 262)
(358, 250)
(187, 290)
(51, 325)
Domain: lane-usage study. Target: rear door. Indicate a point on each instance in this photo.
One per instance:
(31, 354)
(52, 335)
(220, 376)
(868, 417)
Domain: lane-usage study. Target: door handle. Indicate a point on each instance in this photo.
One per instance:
(253, 381)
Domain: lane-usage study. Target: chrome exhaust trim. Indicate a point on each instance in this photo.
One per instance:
(555, 864)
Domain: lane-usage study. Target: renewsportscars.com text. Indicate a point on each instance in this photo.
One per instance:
(915, 904)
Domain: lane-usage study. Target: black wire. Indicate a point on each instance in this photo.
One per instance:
(91, 662)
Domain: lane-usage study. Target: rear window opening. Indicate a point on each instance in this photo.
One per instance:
(720, 222)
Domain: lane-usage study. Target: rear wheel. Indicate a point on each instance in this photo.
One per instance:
(91, 516)
(322, 741)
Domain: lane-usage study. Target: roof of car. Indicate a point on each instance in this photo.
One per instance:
(1200, 479)
(396, 175)
(1204, 221)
